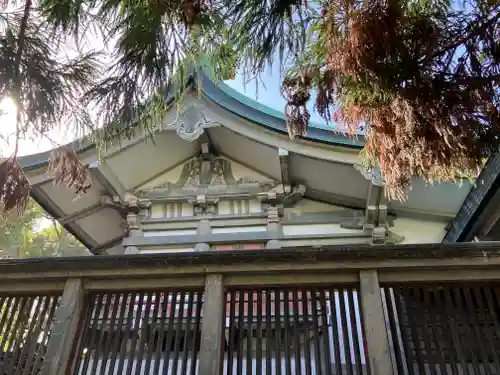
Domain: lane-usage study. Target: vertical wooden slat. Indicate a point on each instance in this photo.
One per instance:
(277, 327)
(421, 324)
(287, 332)
(241, 316)
(4, 304)
(178, 332)
(14, 306)
(170, 332)
(367, 370)
(110, 336)
(296, 332)
(345, 332)
(305, 316)
(152, 333)
(355, 332)
(449, 352)
(478, 336)
(249, 332)
(269, 333)
(40, 355)
(492, 309)
(64, 329)
(232, 331)
(408, 296)
(406, 338)
(197, 324)
(23, 343)
(161, 332)
(143, 332)
(316, 341)
(467, 338)
(135, 332)
(373, 318)
(488, 330)
(187, 333)
(90, 331)
(128, 328)
(98, 354)
(398, 345)
(12, 339)
(453, 329)
(258, 347)
(30, 348)
(120, 323)
(335, 331)
(437, 338)
(212, 326)
(326, 342)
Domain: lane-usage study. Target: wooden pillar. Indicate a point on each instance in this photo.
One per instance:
(373, 317)
(212, 330)
(64, 329)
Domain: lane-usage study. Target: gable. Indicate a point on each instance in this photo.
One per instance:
(214, 171)
(309, 206)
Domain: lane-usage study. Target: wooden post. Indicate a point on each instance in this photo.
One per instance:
(212, 329)
(373, 317)
(64, 329)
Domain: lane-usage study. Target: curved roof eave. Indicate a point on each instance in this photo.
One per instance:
(232, 101)
(270, 118)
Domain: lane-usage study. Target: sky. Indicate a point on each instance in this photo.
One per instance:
(268, 93)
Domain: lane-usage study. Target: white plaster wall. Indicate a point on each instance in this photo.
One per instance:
(168, 210)
(419, 231)
(239, 207)
(326, 242)
(224, 207)
(187, 210)
(246, 229)
(302, 229)
(240, 171)
(157, 211)
(308, 205)
(167, 250)
(181, 232)
(170, 176)
(255, 206)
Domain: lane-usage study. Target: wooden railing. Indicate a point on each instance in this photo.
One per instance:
(424, 309)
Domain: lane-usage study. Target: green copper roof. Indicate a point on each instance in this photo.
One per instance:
(261, 114)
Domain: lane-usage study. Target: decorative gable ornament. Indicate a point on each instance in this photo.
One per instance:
(191, 122)
(372, 174)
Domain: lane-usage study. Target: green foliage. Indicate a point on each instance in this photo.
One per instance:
(389, 65)
(421, 78)
(35, 234)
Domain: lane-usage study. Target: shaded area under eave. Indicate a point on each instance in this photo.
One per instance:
(253, 117)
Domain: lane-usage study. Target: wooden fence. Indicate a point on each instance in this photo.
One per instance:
(426, 309)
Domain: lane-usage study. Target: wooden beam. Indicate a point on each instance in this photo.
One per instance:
(212, 330)
(30, 286)
(285, 166)
(386, 258)
(144, 283)
(64, 329)
(80, 214)
(105, 175)
(99, 249)
(374, 321)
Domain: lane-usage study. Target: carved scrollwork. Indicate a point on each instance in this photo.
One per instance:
(191, 122)
(372, 174)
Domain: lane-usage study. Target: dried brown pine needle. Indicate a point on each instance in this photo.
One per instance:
(69, 170)
(14, 186)
(416, 82)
